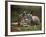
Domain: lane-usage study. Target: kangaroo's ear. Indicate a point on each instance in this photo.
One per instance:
(31, 11)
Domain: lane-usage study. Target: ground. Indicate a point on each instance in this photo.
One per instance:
(16, 28)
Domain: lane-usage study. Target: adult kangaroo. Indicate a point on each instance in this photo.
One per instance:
(35, 20)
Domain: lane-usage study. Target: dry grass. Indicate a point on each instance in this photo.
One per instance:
(16, 28)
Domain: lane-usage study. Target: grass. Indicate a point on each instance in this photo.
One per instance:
(16, 28)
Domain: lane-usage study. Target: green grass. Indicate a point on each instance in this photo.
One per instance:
(16, 28)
